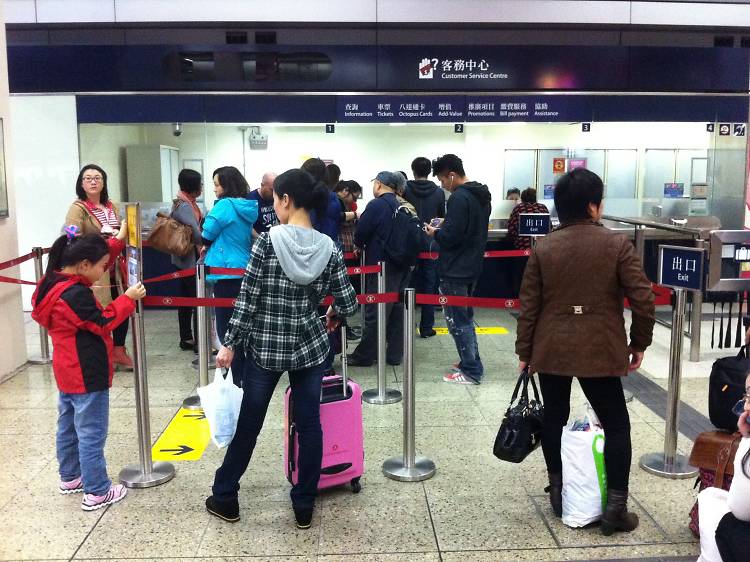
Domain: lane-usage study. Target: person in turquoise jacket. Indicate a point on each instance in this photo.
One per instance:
(227, 233)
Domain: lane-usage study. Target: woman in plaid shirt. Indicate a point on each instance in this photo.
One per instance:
(292, 268)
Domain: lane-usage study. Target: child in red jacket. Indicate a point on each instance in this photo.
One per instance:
(81, 334)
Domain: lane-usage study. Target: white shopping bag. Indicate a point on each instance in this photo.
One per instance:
(584, 493)
(221, 401)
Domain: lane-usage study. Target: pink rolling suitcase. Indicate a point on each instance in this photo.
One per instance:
(343, 436)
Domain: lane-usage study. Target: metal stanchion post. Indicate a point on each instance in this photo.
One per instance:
(147, 473)
(409, 467)
(193, 402)
(669, 464)
(44, 358)
(696, 316)
(382, 394)
(205, 328)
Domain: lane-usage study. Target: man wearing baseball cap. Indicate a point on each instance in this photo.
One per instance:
(370, 234)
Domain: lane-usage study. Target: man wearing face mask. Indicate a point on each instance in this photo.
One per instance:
(462, 237)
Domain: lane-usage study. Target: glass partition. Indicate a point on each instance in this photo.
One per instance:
(648, 168)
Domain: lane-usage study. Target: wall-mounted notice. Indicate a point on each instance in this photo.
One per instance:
(674, 190)
(574, 163)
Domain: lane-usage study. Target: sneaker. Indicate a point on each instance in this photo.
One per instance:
(459, 378)
(303, 517)
(228, 510)
(72, 487)
(115, 494)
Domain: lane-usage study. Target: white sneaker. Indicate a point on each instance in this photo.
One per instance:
(459, 378)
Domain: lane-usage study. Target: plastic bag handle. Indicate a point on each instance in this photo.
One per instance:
(221, 375)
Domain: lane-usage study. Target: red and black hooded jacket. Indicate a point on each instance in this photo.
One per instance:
(80, 329)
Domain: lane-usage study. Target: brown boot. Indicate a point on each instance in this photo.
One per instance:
(121, 359)
(616, 516)
(555, 492)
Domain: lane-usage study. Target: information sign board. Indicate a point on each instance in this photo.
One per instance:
(681, 268)
(533, 224)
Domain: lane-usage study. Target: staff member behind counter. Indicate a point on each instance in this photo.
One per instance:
(571, 325)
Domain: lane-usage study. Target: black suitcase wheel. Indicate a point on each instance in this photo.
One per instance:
(356, 486)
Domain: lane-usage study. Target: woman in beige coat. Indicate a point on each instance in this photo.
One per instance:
(93, 213)
(572, 325)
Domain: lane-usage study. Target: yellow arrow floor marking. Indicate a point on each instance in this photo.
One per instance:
(483, 330)
(184, 439)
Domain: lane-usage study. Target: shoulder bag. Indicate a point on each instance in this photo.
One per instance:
(521, 430)
(170, 236)
(713, 456)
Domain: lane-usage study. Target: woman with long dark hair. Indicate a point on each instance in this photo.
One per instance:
(275, 320)
(94, 213)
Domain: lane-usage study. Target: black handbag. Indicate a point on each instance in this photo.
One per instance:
(521, 430)
(725, 388)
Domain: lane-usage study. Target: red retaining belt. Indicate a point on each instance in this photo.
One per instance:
(16, 261)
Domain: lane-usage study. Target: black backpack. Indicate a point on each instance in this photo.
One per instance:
(726, 387)
(404, 241)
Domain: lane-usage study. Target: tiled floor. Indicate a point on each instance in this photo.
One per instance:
(475, 508)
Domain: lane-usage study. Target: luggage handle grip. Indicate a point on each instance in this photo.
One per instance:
(336, 468)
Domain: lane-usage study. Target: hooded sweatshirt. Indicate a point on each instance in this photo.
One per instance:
(80, 329)
(303, 253)
(429, 201)
(228, 228)
(275, 317)
(463, 235)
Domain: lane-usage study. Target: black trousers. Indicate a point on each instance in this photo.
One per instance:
(396, 280)
(608, 401)
(121, 332)
(186, 315)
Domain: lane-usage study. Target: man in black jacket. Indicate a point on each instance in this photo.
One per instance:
(429, 201)
(462, 237)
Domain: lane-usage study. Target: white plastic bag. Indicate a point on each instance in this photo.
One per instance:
(584, 493)
(221, 401)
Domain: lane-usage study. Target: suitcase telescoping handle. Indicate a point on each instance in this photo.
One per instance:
(344, 366)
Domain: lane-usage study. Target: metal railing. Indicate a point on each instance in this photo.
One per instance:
(640, 237)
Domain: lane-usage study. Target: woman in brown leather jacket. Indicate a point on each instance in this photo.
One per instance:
(572, 325)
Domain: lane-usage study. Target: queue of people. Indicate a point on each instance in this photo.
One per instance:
(286, 235)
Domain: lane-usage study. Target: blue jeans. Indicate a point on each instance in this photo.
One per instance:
(258, 386)
(229, 289)
(425, 281)
(460, 322)
(82, 424)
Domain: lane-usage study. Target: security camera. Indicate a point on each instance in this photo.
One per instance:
(177, 129)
